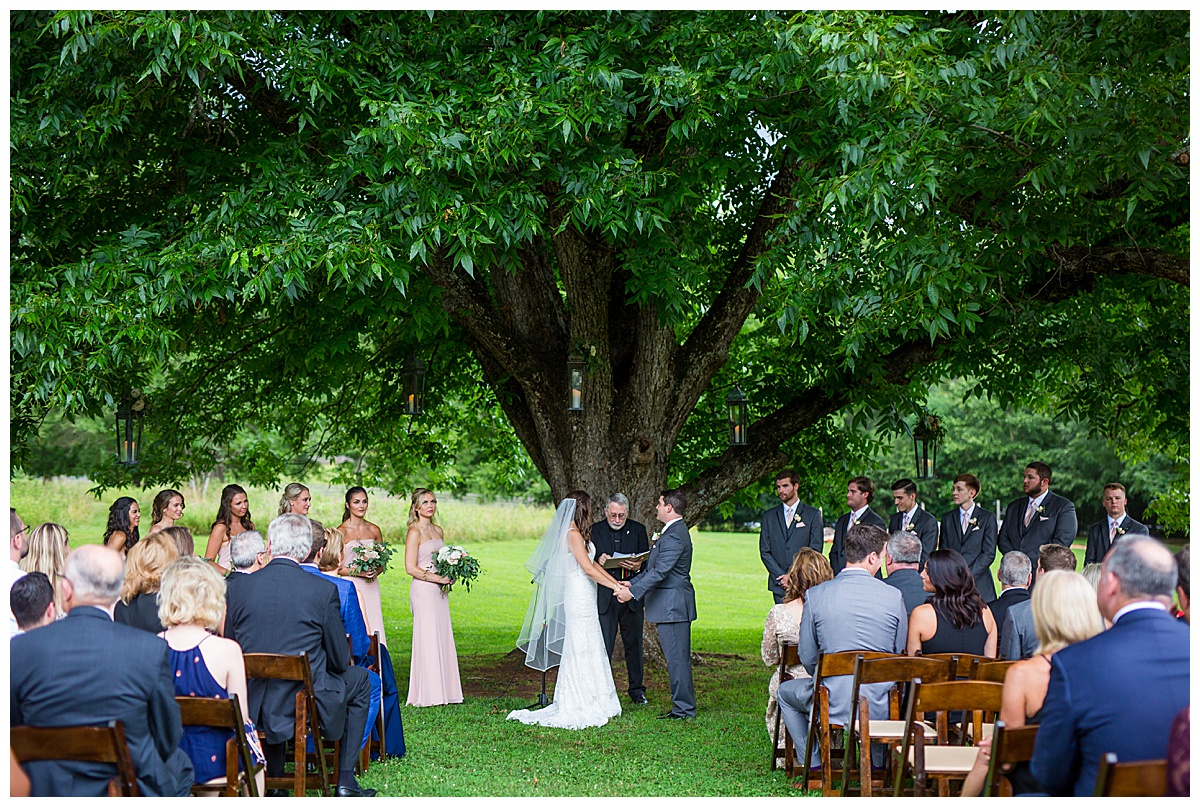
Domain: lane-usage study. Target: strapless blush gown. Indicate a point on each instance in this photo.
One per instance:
(368, 593)
(433, 677)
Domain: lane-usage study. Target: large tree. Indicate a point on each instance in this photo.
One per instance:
(261, 216)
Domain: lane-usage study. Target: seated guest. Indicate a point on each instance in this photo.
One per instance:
(853, 611)
(183, 539)
(956, 619)
(902, 558)
(48, 548)
(144, 565)
(810, 568)
(1091, 573)
(32, 601)
(87, 670)
(203, 665)
(1183, 593)
(1118, 691)
(283, 609)
(18, 547)
(1064, 612)
(1014, 575)
(248, 552)
(1020, 636)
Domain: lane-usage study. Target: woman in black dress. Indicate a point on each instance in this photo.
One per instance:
(138, 605)
(955, 619)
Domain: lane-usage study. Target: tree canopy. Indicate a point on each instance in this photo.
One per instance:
(260, 217)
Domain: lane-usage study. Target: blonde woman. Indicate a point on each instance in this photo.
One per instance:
(433, 677)
(48, 548)
(138, 606)
(809, 568)
(1064, 613)
(203, 665)
(360, 532)
(166, 509)
(296, 499)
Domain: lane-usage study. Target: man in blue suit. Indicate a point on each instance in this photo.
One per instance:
(1118, 691)
(786, 530)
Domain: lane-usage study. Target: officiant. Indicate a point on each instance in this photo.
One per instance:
(618, 534)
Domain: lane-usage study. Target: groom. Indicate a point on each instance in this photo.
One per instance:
(671, 600)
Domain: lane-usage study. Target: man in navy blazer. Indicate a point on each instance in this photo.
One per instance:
(85, 670)
(911, 518)
(971, 531)
(666, 587)
(786, 530)
(1119, 691)
(860, 492)
(1107, 531)
(1037, 518)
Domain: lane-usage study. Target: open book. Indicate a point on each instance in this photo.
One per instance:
(614, 562)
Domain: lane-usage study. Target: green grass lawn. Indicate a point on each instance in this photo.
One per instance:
(470, 749)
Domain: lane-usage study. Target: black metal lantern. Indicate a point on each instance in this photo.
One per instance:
(926, 437)
(737, 405)
(574, 383)
(130, 412)
(414, 387)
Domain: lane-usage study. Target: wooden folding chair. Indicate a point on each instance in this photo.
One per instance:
(1009, 746)
(373, 664)
(273, 666)
(222, 713)
(962, 662)
(943, 762)
(862, 730)
(79, 744)
(829, 665)
(1143, 778)
(789, 656)
(993, 671)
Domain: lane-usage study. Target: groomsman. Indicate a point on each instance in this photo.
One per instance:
(786, 530)
(860, 492)
(971, 531)
(1107, 531)
(1039, 517)
(618, 533)
(912, 518)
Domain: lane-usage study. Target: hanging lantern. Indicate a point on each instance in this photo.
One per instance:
(130, 412)
(574, 383)
(414, 387)
(737, 405)
(926, 437)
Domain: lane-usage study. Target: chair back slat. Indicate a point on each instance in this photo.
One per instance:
(1009, 746)
(275, 666)
(902, 669)
(953, 696)
(217, 713)
(294, 668)
(993, 671)
(104, 744)
(1131, 779)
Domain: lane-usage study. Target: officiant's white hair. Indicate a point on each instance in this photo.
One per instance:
(619, 499)
(290, 536)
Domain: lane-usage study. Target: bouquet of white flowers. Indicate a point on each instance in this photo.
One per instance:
(454, 562)
(371, 559)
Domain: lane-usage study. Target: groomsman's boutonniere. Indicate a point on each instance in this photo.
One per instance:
(973, 522)
(911, 527)
(1120, 530)
(796, 522)
(1041, 509)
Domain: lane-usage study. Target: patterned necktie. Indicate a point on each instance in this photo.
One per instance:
(1029, 513)
(964, 521)
(1112, 532)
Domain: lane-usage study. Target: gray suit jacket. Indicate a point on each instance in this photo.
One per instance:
(778, 543)
(1056, 524)
(1020, 639)
(978, 546)
(665, 581)
(1097, 540)
(853, 611)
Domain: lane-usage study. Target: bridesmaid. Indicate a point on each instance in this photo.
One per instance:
(360, 532)
(233, 518)
(122, 530)
(433, 675)
(296, 499)
(166, 510)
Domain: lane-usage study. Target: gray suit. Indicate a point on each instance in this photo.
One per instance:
(1055, 524)
(853, 611)
(778, 543)
(1020, 638)
(666, 585)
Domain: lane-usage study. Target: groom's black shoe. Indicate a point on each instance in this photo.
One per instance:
(639, 698)
(672, 716)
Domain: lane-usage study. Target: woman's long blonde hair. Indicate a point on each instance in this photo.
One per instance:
(1064, 611)
(48, 555)
(330, 556)
(145, 564)
(413, 517)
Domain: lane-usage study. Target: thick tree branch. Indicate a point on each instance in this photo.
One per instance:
(1078, 268)
(273, 106)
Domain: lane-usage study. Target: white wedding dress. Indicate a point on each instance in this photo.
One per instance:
(584, 694)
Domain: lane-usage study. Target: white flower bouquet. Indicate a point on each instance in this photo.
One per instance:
(454, 562)
(371, 560)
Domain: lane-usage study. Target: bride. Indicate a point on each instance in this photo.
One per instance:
(561, 627)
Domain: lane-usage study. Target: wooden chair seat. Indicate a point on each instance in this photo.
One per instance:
(947, 759)
(105, 744)
(273, 666)
(894, 730)
(1131, 779)
(223, 713)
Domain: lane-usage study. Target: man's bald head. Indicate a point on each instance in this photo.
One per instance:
(93, 576)
(1137, 568)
